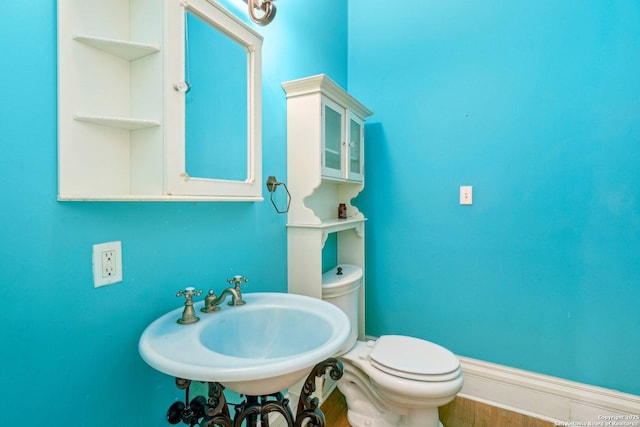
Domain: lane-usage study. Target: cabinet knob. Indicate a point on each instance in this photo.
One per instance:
(183, 86)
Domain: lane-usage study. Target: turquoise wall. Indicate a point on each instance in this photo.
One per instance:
(68, 351)
(535, 104)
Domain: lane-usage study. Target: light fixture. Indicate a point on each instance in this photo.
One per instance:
(266, 11)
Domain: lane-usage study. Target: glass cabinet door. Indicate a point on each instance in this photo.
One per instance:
(355, 148)
(332, 139)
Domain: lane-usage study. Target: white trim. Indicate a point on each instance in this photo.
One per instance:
(543, 396)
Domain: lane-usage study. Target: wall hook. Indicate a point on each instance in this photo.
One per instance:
(272, 185)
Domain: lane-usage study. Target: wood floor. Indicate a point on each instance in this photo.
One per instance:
(335, 410)
(459, 413)
(468, 413)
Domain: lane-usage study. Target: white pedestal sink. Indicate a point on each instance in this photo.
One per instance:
(262, 347)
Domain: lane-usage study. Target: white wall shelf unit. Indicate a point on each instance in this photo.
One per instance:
(325, 167)
(110, 99)
(121, 111)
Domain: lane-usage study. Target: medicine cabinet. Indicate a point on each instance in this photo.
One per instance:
(325, 167)
(129, 117)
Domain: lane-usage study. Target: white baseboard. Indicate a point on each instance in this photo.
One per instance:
(546, 397)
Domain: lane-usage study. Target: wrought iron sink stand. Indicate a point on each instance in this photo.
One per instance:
(255, 410)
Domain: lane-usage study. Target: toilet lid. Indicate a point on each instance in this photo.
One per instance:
(413, 358)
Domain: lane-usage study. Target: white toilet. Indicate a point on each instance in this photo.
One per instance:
(395, 381)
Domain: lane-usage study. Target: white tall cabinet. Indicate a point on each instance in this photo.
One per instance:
(325, 167)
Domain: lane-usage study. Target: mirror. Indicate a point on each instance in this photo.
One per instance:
(216, 103)
(218, 154)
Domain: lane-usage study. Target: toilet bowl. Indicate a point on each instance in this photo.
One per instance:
(394, 381)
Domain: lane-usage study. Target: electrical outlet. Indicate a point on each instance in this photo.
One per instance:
(107, 263)
(466, 195)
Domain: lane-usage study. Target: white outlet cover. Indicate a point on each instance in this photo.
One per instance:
(98, 278)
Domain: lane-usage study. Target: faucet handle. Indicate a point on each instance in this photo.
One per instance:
(188, 314)
(237, 281)
(189, 292)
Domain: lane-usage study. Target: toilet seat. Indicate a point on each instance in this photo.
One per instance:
(413, 359)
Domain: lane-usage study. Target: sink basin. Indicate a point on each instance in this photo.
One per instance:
(262, 347)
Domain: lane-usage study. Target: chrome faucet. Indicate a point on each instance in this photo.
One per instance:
(211, 301)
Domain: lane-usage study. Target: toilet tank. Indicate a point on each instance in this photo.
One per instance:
(340, 287)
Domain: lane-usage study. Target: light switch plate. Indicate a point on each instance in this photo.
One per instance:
(466, 195)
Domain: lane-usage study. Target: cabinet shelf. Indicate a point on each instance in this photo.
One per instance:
(333, 225)
(117, 122)
(127, 50)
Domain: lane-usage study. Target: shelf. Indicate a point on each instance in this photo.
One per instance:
(333, 225)
(126, 50)
(117, 122)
